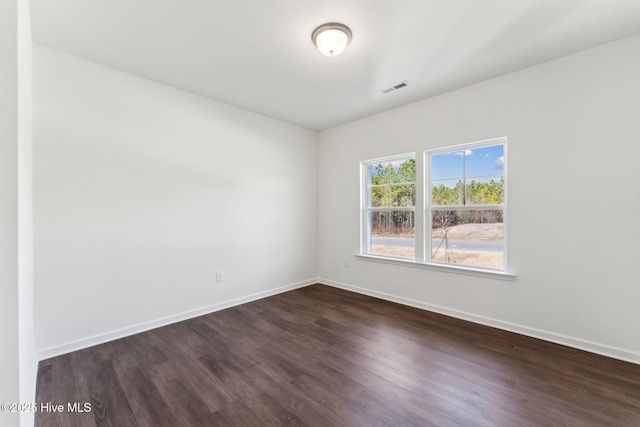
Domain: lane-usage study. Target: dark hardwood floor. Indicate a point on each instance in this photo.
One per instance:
(321, 356)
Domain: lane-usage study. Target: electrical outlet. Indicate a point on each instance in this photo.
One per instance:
(346, 262)
(219, 276)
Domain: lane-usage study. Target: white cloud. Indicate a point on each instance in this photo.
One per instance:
(500, 162)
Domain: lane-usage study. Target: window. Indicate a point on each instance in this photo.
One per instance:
(388, 206)
(466, 205)
(460, 211)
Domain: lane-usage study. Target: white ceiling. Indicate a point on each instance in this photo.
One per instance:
(258, 54)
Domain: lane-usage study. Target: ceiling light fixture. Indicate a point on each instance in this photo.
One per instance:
(331, 39)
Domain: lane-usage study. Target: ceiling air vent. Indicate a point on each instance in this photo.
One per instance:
(395, 87)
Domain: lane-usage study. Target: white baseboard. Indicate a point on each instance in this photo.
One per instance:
(593, 347)
(101, 338)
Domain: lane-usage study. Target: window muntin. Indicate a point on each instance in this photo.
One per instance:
(389, 198)
(466, 205)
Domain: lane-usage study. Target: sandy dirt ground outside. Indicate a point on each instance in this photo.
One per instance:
(474, 232)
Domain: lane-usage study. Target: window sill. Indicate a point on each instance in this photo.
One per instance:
(469, 271)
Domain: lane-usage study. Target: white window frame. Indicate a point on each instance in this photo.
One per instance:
(423, 217)
(429, 208)
(365, 209)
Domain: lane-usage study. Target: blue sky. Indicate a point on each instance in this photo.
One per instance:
(480, 162)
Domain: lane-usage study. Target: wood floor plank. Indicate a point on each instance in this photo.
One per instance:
(238, 413)
(321, 356)
(186, 404)
(145, 400)
(110, 406)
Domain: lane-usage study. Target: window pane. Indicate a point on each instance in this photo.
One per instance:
(406, 171)
(379, 196)
(447, 192)
(393, 233)
(377, 175)
(484, 191)
(396, 171)
(403, 195)
(447, 165)
(484, 161)
(392, 183)
(472, 238)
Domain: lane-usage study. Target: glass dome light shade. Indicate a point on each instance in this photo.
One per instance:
(331, 39)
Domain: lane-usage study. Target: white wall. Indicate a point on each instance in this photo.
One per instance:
(142, 192)
(27, 354)
(574, 197)
(9, 366)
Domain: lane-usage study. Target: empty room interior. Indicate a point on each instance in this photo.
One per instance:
(338, 213)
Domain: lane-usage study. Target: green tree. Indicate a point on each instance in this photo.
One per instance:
(393, 186)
